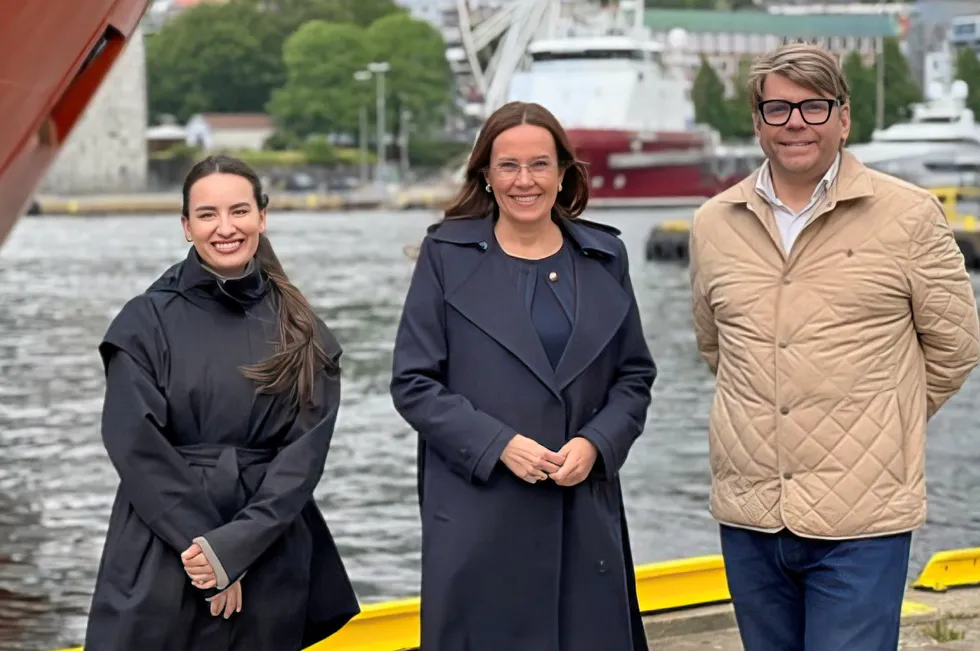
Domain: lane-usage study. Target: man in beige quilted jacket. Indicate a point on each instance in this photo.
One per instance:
(832, 304)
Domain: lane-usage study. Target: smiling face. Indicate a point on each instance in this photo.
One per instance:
(524, 173)
(224, 222)
(796, 149)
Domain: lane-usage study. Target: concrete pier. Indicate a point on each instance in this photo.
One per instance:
(155, 203)
(938, 621)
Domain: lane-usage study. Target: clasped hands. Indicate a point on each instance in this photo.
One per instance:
(533, 462)
(201, 573)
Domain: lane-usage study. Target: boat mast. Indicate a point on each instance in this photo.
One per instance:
(501, 38)
(639, 15)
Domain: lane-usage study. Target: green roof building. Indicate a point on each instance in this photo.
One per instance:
(724, 37)
(788, 26)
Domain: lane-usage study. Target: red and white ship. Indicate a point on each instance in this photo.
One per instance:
(630, 117)
(622, 96)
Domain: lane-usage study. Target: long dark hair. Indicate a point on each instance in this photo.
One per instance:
(473, 200)
(299, 352)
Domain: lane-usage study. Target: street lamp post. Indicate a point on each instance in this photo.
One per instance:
(361, 76)
(379, 68)
(403, 130)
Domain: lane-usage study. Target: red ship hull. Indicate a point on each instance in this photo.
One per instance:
(662, 169)
(54, 55)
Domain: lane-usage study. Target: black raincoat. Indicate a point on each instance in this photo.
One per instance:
(200, 454)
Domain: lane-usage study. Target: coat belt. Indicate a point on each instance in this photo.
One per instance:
(223, 484)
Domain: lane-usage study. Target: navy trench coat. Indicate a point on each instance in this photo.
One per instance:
(508, 565)
(200, 454)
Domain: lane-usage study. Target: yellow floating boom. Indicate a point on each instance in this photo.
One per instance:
(394, 626)
(668, 585)
(956, 568)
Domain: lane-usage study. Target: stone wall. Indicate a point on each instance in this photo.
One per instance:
(106, 152)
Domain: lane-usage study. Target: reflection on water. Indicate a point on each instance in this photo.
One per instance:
(61, 280)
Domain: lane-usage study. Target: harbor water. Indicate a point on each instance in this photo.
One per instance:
(63, 279)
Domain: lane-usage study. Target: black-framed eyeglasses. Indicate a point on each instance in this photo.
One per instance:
(776, 112)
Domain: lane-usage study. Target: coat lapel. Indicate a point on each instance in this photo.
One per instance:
(491, 303)
(487, 299)
(484, 296)
(601, 305)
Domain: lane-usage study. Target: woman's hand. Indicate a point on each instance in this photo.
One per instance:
(530, 460)
(198, 568)
(228, 602)
(580, 456)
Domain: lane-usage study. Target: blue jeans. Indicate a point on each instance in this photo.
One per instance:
(798, 594)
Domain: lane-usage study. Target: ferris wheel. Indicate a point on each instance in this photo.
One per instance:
(495, 35)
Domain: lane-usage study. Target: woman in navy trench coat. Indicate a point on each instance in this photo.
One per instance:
(520, 361)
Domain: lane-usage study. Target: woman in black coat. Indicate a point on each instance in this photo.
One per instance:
(520, 361)
(222, 391)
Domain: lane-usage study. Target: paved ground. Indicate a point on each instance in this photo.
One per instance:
(912, 638)
(947, 621)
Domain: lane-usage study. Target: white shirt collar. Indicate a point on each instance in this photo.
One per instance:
(764, 186)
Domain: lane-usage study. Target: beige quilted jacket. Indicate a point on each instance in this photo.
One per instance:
(828, 363)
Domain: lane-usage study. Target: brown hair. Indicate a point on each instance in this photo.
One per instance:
(805, 65)
(299, 352)
(473, 200)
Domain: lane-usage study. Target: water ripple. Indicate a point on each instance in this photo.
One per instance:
(63, 280)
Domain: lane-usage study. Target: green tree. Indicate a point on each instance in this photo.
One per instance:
(366, 12)
(738, 5)
(319, 151)
(861, 79)
(708, 95)
(683, 4)
(288, 15)
(738, 108)
(420, 79)
(229, 57)
(900, 90)
(320, 95)
(210, 58)
(968, 70)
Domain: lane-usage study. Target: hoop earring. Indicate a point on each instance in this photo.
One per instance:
(489, 189)
(559, 187)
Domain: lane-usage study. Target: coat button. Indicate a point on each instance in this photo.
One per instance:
(787, 475)
(783, 344)
(483, 245)
(784, 410)
(463, 452)
(602, 567)
(786, 280)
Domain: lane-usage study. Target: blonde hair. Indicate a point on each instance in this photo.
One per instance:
(803, 64)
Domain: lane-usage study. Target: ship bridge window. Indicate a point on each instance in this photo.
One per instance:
(626, 55)
(964, 29)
